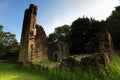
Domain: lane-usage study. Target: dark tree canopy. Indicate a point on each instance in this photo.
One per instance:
(83, 34)
(8, 42)
(60, 34)
(1, 33)
(113, 26)
(83, 30)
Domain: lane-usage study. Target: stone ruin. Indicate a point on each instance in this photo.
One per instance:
(32, 46)
(101, 58)
(57, 51)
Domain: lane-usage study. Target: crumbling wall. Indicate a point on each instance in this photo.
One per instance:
(40, 42)
(23, 56)
(58, 50)
(98, 59)
(85, 61)
(32, 46)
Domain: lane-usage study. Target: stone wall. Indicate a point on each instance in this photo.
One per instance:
(58, 50)
(32, 46)
(86, 61)
(40, 42)
(106, 44)
(99, 59)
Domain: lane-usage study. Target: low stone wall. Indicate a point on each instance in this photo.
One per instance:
(75, 61)
(96, 60)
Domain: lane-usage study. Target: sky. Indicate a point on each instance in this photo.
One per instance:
(53, 13)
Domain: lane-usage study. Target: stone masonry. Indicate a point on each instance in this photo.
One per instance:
(98, 59)
(32, 46)
(57, 51)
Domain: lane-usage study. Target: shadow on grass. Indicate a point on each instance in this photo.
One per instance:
(10, 71)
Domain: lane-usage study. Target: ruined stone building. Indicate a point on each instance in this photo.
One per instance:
(32, 46)
(101, 58)
(57, 51)
(106, 44)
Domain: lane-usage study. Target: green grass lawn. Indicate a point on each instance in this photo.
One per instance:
(47, 63)
(9, 71)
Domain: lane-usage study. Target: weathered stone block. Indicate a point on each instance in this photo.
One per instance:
(33, 38)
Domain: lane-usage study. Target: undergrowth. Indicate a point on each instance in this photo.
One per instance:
(9, 71)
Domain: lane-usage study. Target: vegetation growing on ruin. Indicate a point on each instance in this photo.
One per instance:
(9, 71)
(77, 35)
(83, 30)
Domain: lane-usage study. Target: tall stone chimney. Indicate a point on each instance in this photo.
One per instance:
(32, 47)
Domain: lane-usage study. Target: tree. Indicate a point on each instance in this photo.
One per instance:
(8, 42)
(83, 30)
(60, 34)
(2, 47)
(113, 26)
(1, 33)
(8, 39)
(52, 38)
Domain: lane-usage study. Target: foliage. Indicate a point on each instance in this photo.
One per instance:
(9, 71)
(83, 34)
(83, 30)
(113, 26)
(1, 33)
(52, 38)
(8, 42)
(60, 34)
(2, 49)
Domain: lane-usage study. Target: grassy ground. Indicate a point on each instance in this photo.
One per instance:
(10, 71)
(47, 63)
